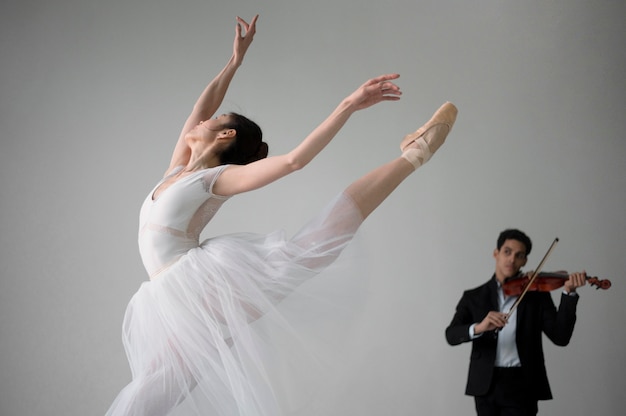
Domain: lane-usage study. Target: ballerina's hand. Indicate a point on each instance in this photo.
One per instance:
(242, 42)
(376, 90)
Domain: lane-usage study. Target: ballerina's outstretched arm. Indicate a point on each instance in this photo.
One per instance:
(243, 178)
(213, 95)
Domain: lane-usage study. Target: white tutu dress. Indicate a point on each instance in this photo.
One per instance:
(194, 334)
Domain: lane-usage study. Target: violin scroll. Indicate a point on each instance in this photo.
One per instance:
(599, 283)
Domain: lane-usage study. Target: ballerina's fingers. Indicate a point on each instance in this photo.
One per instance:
(390, 90)
(250, 28)
(374, 91)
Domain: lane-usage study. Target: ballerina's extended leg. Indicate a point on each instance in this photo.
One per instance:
(371, 190)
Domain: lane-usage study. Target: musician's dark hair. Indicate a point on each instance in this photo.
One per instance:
(515, 234)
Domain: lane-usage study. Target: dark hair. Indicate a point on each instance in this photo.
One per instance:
(248, 145)
(514, 234)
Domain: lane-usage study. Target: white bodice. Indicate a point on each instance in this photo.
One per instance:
(170, 225)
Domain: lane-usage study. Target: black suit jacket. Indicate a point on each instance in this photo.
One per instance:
(536, 314)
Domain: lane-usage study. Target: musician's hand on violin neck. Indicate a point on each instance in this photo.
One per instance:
(493, 320)
(574, 281)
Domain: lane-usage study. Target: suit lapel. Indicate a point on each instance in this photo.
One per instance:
(493, 294)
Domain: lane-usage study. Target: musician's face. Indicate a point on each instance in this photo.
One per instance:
(510, 258)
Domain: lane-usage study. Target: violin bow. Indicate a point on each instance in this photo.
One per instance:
(532, 279)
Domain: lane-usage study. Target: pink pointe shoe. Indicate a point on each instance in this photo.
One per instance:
(418, 147)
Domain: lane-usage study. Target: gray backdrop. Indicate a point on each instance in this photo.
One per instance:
(93, 94)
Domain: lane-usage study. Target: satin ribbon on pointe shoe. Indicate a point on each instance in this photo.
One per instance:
(428, 144)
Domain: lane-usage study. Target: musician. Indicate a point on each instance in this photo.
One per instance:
(507, 375)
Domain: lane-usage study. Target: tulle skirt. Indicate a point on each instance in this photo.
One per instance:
(234, 327)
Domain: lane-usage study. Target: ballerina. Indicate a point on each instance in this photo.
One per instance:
(187, 331)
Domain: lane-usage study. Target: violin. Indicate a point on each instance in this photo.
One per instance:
(543, 282)
(546, 282)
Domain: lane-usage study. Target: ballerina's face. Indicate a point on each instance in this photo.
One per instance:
(207, 130)
(214, 124)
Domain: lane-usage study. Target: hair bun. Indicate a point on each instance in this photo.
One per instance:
(263, 150)
(261, 153)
